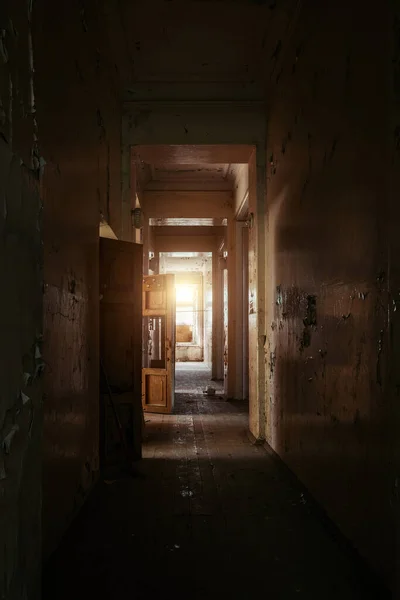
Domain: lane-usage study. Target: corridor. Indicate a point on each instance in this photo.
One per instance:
(174, 531)
(212, 185)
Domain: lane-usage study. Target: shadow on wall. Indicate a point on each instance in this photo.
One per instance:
(326, 364)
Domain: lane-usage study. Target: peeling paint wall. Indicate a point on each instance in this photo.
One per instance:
(21, 363)
(59, 148)
(329, 278)
(79, 116)
(393, 238)
(21, 359)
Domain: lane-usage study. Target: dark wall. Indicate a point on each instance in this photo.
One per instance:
(21, 417)
(61, 69)
(329, 269)
(393, 239)
(20, 368)
(77, 86)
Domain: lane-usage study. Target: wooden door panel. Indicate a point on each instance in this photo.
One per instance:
(158, 374)
(154, 388)
(155, 302)
(155, 295)
(119, 359)
(121, 344)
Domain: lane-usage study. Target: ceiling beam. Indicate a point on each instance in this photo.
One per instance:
(186, 243)
(179, 230)
(179, 185)
(187, 204)
(192, 154)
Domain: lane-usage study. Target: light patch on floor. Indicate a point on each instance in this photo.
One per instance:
(194, 378)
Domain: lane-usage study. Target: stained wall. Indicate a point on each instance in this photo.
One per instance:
(329, 273)
(78, 115)
(60, 120)
(21, 276)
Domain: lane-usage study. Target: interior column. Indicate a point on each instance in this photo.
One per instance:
(217, 315)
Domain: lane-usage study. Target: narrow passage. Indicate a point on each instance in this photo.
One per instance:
(214, 517)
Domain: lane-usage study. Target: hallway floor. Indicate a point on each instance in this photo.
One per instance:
(193, 378)
(212, 517)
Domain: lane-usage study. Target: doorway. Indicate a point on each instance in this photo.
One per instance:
(191, 197)
(193, 295)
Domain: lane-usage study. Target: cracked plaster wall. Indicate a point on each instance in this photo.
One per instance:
(332, 290)
(21, 413)
(60, 150)
(78, 114)
(393, 243)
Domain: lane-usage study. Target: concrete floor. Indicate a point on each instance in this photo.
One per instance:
(193, 378)
(212, 517)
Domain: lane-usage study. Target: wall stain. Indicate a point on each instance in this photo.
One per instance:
(333, 148)
(309, 322)
(277, 51)
(100, 124)
(378, 360)
(82, 12)
(272, 363)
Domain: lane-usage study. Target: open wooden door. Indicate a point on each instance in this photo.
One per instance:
(158, 374)
(121, 347)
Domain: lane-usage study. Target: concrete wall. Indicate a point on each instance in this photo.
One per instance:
(60, 124)
(329, 271)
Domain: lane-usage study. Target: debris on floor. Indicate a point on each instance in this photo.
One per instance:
(228, 506)
(209, 391)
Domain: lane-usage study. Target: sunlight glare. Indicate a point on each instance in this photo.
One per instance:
(184, 294)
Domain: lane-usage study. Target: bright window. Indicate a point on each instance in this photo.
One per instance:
(187, 314)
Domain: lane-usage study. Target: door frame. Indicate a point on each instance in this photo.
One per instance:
(183, 123)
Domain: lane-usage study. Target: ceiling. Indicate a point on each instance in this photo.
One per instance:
(184, 262)
(204, 154)
(204, 223)
(165, 172)
(189, 41)
(166, 167)
(196, 176)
